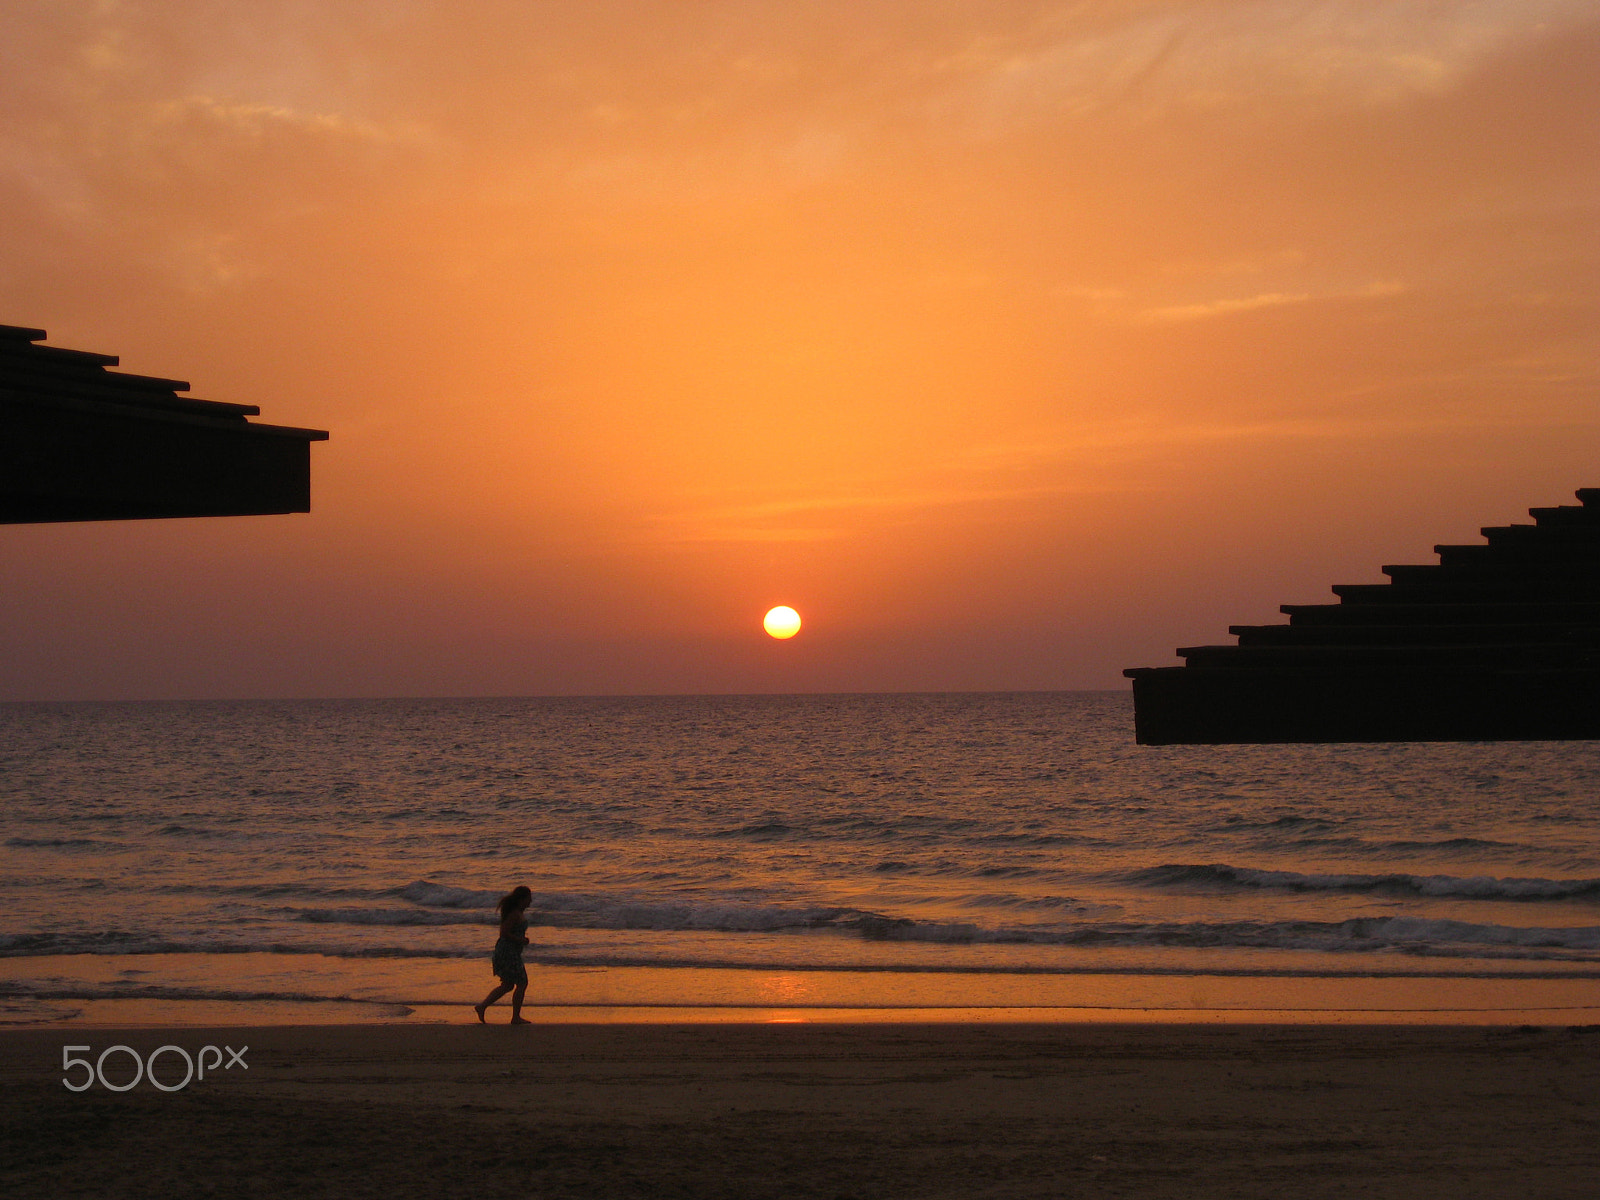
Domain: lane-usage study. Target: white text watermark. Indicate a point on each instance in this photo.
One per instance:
(126, 1058)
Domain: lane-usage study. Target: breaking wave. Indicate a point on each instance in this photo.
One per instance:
(1477, 887)
(1408, 941)
(433, 905)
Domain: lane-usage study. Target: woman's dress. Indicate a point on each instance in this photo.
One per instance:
(508, 956)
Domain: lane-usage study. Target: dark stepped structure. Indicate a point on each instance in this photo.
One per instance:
(79, 442)
(1497, 642)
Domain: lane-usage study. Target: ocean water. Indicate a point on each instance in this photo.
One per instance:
(353, 850)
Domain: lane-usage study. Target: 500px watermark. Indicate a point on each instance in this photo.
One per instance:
(145, 1068)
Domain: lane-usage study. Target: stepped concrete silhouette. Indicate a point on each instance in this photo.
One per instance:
(1496, 642)
(79, 442)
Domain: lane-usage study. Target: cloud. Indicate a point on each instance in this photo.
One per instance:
(255, 122)
(1087, 457)
(1265, 300)
(765, 521)
(1145, 436)
(1264, 59)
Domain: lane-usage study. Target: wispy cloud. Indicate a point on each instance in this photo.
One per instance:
(1228, 306)
(1264, 57)
(255, 121)
(771, 520)
(1078, 459)
(1153, 435)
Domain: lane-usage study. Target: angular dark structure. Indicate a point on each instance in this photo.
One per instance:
(79, 442)
(1497, 642)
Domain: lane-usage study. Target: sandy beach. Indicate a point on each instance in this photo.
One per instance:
(814, 1110)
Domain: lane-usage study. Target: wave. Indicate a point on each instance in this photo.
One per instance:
(1013, 901)
(1476, 887)
(1412, 936)
(760, 831)
(857, 826)
(573, 911)
(1415, 934)
(1010, 920)
(1291, 822)
(272, 890)
(56, 843)
(1454, 844)
(601, 911)
(391, 916)
(1449, 849)
(15, 990)
(1039, 840)
(1302, 832)
(442, 895)
(176, 830)
(137, 942)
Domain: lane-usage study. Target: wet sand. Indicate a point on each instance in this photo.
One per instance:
(796, 1111)
(310, 989)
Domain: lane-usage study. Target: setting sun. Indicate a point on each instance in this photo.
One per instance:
(781, 622)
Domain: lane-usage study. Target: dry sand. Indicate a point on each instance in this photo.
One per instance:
(817, 1110)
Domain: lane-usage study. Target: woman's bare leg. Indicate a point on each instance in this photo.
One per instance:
(516, 1005)
(490, 999)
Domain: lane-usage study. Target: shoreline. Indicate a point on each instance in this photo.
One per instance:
(180, 1014)
(817, 1110)
(288, 990)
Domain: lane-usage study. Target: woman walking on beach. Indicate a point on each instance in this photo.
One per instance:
(508, 954)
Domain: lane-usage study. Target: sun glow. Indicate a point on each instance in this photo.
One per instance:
(781, 622)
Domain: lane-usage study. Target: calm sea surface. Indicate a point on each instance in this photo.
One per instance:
(1002, 834)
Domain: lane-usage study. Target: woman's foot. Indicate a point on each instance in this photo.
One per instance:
(520, 1021)
(478, 1008)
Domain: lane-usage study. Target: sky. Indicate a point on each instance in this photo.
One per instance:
(1011, 342)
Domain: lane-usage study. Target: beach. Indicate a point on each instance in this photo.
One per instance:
(829, 946)
(815, 1110)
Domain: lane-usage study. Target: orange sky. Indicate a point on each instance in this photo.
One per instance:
(1012, 343)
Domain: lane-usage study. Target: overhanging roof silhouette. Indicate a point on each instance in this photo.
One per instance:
(79, 442)
(1496, 642)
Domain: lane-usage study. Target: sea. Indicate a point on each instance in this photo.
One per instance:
(784, 856)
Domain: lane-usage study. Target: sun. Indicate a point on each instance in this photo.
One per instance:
(781, 622)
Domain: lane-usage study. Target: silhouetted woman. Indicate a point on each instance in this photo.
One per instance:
(508, 954)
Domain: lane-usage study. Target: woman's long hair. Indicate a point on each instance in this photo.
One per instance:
(517, 897)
